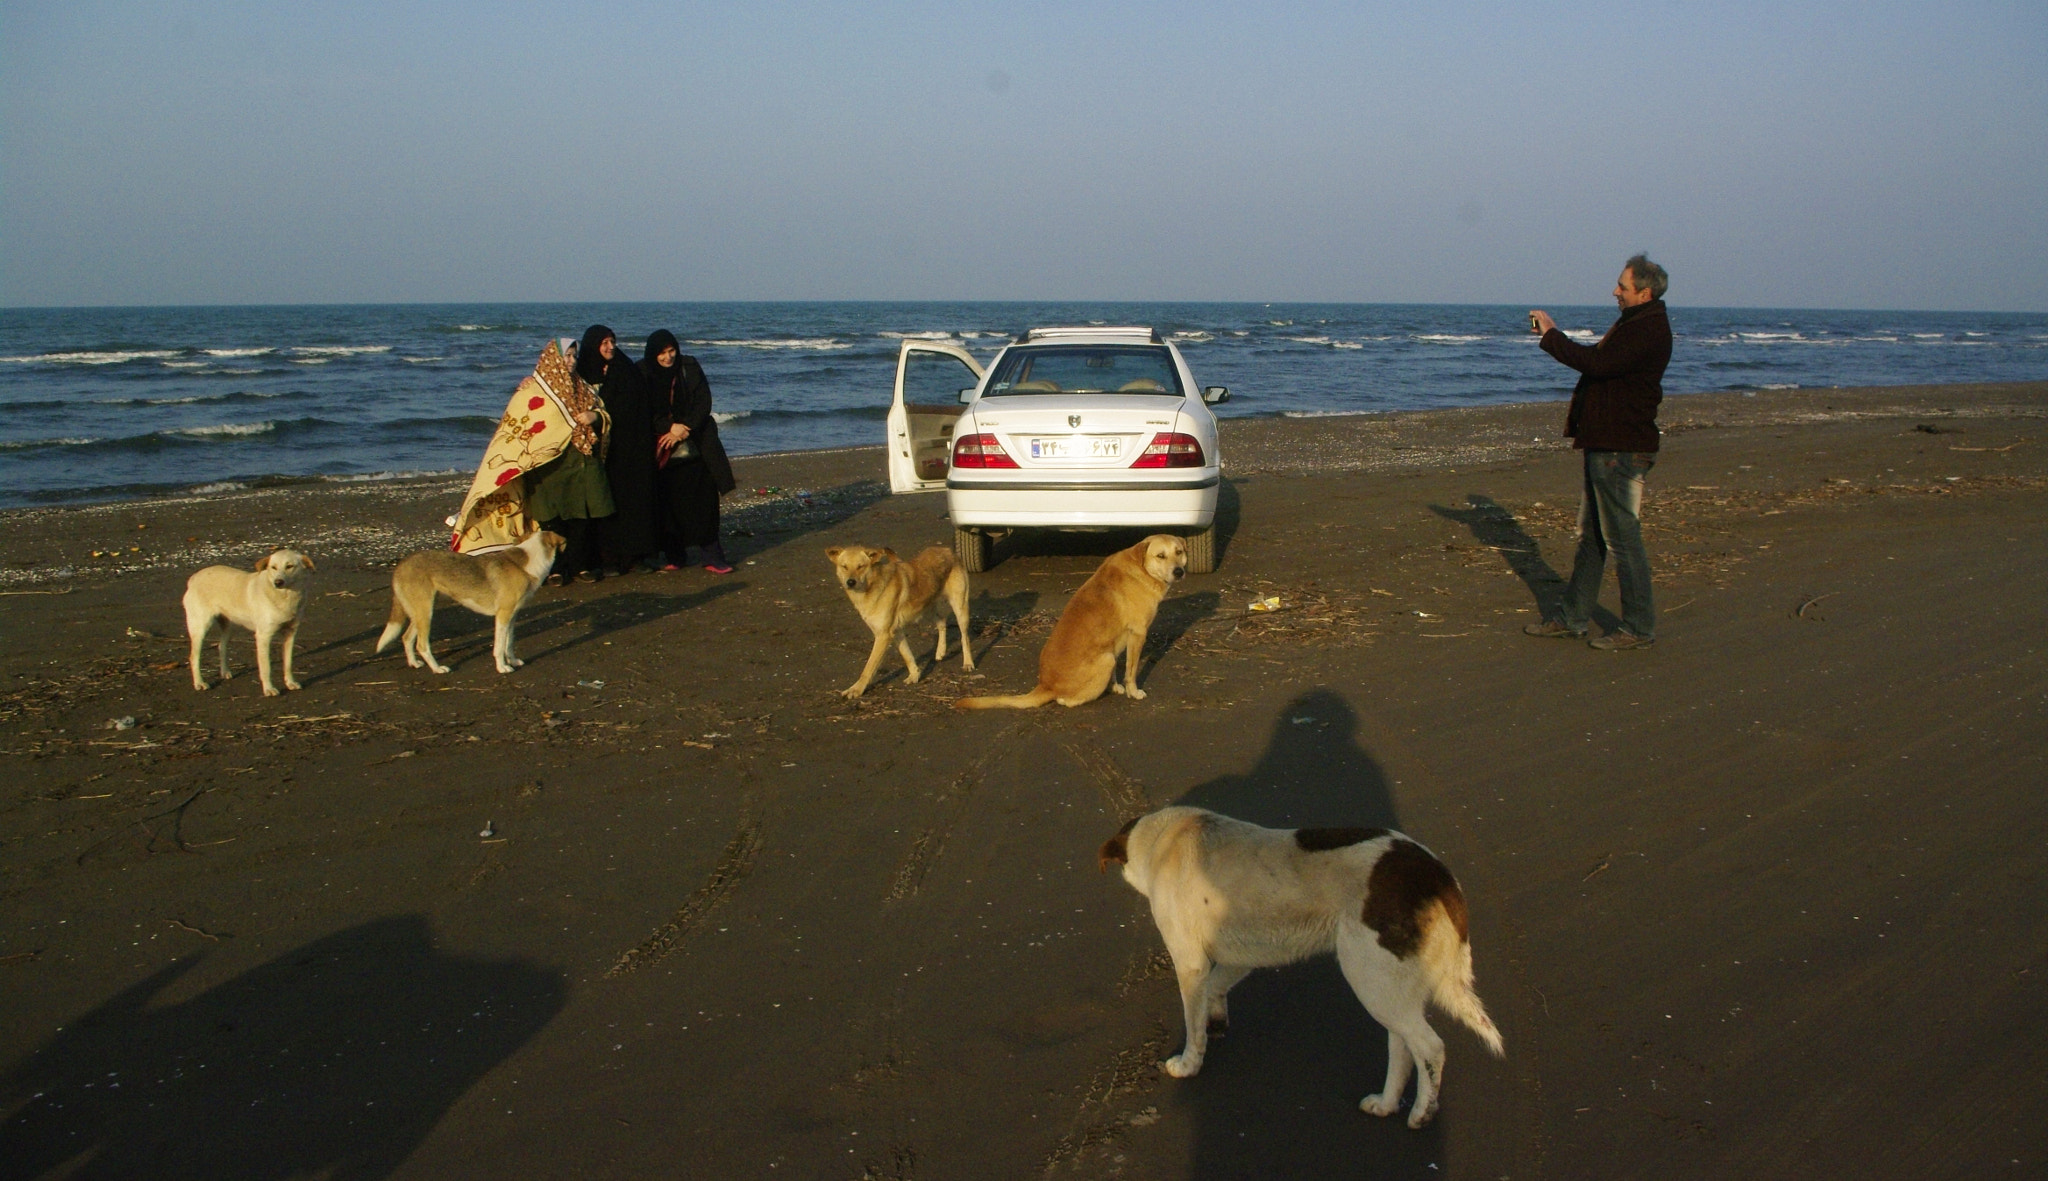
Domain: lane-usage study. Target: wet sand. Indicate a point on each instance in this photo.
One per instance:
(1770, 899)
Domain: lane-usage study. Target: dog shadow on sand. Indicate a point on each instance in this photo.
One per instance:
(1495, 527)
(1278, 1095)
(461, 635)
(334, 1059)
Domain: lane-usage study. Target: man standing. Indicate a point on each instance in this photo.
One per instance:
(1613, 420)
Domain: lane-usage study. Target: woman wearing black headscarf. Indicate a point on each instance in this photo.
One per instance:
(694, 470)
(570, 493)
(628, 535)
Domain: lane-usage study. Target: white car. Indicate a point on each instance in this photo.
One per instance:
(1069, 428)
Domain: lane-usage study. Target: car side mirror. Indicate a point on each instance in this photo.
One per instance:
(1215, 395)
(967, 395)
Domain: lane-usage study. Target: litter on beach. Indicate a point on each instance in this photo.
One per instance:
(1269, 603)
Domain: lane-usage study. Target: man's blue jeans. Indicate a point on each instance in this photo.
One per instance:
(1610, 521)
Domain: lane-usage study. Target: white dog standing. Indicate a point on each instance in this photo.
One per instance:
(1229, 896)
(266, 601)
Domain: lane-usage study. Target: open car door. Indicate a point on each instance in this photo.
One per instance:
(929, 378)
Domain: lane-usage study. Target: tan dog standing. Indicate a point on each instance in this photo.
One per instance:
(1229, 896)
(892, 594)
(1109, 616)
(496, 584)
(267, 601)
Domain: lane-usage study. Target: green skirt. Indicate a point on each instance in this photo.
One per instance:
(571, 486)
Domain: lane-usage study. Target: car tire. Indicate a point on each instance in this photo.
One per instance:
(1202, 551)
(971, 548)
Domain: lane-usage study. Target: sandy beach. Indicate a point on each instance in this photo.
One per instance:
(1770, 899)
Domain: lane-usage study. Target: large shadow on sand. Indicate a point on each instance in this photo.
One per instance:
(1495, 527)
(334, 1060)
(1278, 1094)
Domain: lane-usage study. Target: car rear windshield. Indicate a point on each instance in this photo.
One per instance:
(1085, 369)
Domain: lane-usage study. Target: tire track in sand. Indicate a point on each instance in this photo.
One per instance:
(733, 866)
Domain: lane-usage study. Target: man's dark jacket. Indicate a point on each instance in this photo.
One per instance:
(1621, 380)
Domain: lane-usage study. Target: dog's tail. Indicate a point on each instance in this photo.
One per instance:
(1031, 700)
(1448, 955)
(392, 626)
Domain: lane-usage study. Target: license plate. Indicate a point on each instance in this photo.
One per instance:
(1077, 448)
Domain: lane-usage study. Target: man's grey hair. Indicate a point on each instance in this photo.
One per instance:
(1648, 274)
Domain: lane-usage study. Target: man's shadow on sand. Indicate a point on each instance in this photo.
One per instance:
(1493, 526)
(1278, 1095)
(333, 1060)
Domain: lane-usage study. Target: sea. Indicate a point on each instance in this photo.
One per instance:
(100, 404)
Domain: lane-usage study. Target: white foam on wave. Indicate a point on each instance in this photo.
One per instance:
(1779, 385)
(256, 352)
(90, 358)
(1324, 413)
(472, 327)
(1930, 336)
(339, 350)
(311, 360)
(380, 477)
(730, 415)
(223, 486)
(814, 343)
(1578, 333)
(1308, 339)
(1450, 337)
(26, 444)
(1347, 344)
(184, 364)
(921, 335)
(224, 430)
(421, 360)
(1194, 337)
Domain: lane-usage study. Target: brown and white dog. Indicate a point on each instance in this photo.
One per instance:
(1107, 618)
(1229, 896)
(266, 600)
(892, 595)
(496, 584)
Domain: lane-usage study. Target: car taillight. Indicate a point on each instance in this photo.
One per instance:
(980, 451)
(1174, 450)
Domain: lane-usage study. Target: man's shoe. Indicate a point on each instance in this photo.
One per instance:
(1551, 629)
(1619, 641)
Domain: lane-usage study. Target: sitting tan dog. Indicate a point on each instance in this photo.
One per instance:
(1229, 897)
(1109, 616)
(267, 601)
(496, 584)
(892, 594)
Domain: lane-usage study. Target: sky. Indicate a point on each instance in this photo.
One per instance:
(1851, 155)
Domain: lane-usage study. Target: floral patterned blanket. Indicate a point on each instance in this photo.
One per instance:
(536, 426)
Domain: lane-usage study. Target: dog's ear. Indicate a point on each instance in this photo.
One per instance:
(262, 563)
(832, 553)
(308, 561)
(876, 555)
(1116, 848)
(555, 540)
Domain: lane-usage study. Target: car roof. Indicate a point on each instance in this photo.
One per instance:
(1121, 335)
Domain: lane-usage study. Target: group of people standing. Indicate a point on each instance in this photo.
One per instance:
(639, 484)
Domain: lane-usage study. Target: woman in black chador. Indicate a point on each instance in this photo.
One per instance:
(694, 471)
(569, 494)
(629, 534)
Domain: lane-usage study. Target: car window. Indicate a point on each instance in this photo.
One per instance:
(1085, 369)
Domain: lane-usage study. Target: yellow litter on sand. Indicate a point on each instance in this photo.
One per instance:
(1270, 603)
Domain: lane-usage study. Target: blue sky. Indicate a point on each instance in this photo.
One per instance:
(1822, 155)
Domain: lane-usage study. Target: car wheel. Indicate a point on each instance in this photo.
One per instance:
(1202, 551)
(971, 547)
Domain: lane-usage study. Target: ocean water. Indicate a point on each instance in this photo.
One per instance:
(111, 403)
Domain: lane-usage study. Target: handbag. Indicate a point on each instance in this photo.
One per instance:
(685, 450)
